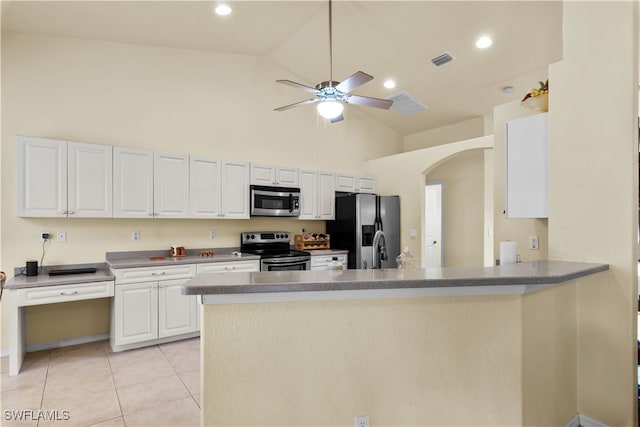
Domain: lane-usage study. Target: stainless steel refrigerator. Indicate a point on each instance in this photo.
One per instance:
(368, 226)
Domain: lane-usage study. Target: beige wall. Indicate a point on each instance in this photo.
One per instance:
(468, 129)
(424, 361)
(463, 183)
(593, 199)
(405, 174)
(156, 98)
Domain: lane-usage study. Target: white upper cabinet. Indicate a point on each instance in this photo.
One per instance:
(60, 178)
(150, 185)
(132, 183)
(366, 184)
(235, 189)
(317, 195)
(218, 188)
(90, 180)
(354, 184)
(271, 175)
(204, 187)
(527, 167)
(170, 185)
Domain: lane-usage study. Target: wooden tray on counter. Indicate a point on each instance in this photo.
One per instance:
(308, 243)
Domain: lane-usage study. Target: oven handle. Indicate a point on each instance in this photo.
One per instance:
(285, 261)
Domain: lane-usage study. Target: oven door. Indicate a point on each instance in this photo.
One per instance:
(274, 201)
(285, 264)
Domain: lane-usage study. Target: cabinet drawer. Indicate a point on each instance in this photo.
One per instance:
(324, 260)
(63, 293)
(221, 267)
(150, 274)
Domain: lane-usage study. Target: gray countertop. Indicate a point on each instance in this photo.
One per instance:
(157, 258)
(20, 281)
(526, 273)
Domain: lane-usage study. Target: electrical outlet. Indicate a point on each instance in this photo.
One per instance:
(135, 235)
(62, 236)
(45, 236)
(362, 421)
(212, 234)
(533, 242)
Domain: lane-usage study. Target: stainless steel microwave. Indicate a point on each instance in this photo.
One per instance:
(275, 201)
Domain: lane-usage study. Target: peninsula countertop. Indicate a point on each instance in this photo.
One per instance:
(506, 279)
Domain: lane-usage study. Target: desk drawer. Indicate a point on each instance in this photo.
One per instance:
(64, 293)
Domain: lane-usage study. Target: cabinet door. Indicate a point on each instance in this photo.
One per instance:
(171, 185)
(366, 185)
(308, 194)
(132, 183)
(90, 180)
(235, 189)
(136, 312)
(527, 167)
(176, 312)
(326, 195)
(346, 183)
(204, 187)
(263, 174)
(287, 177)
(41, 177)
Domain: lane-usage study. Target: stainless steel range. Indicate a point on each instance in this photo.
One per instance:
(274, 250)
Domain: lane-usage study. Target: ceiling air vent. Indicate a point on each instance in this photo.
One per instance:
(442, 59)
(405, 104)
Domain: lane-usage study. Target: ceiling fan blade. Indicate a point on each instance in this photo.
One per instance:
(299, 86)
(355, 80)
(297, 104)
(370, 102)
(337, 119)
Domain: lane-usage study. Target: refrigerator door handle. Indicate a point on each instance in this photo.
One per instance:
(379, 249)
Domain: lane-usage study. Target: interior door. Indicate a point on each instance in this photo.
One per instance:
(433, 225)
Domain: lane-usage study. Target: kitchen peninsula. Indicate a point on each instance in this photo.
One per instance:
(405, 347)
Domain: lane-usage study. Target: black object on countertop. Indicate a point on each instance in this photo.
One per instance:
(63, 272)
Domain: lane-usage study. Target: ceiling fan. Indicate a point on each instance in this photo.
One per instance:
(331, 95)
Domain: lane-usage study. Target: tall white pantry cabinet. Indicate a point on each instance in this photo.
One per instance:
(527, 167)
(63, 178)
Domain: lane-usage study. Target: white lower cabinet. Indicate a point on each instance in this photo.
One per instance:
(321, 262)
(177, 313)
(135, 313)
(148, 309)
(228, 267)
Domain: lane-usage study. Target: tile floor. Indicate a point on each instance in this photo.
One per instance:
(89, 385)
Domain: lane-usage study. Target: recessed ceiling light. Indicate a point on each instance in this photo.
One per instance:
(223, 10)
(483, 42)
(507, 90)
(389, 84)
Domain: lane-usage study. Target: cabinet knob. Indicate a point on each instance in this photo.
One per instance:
(69, 293)
(71, 213)
(63, 212)
(159, 274)
(150, 213)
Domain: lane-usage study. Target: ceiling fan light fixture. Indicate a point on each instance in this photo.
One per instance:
(330, 109)
(223, 9)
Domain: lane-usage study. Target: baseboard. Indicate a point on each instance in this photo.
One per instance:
(66, 343)
(580, 420)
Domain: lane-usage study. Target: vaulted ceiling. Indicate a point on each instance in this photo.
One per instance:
(387, 39)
